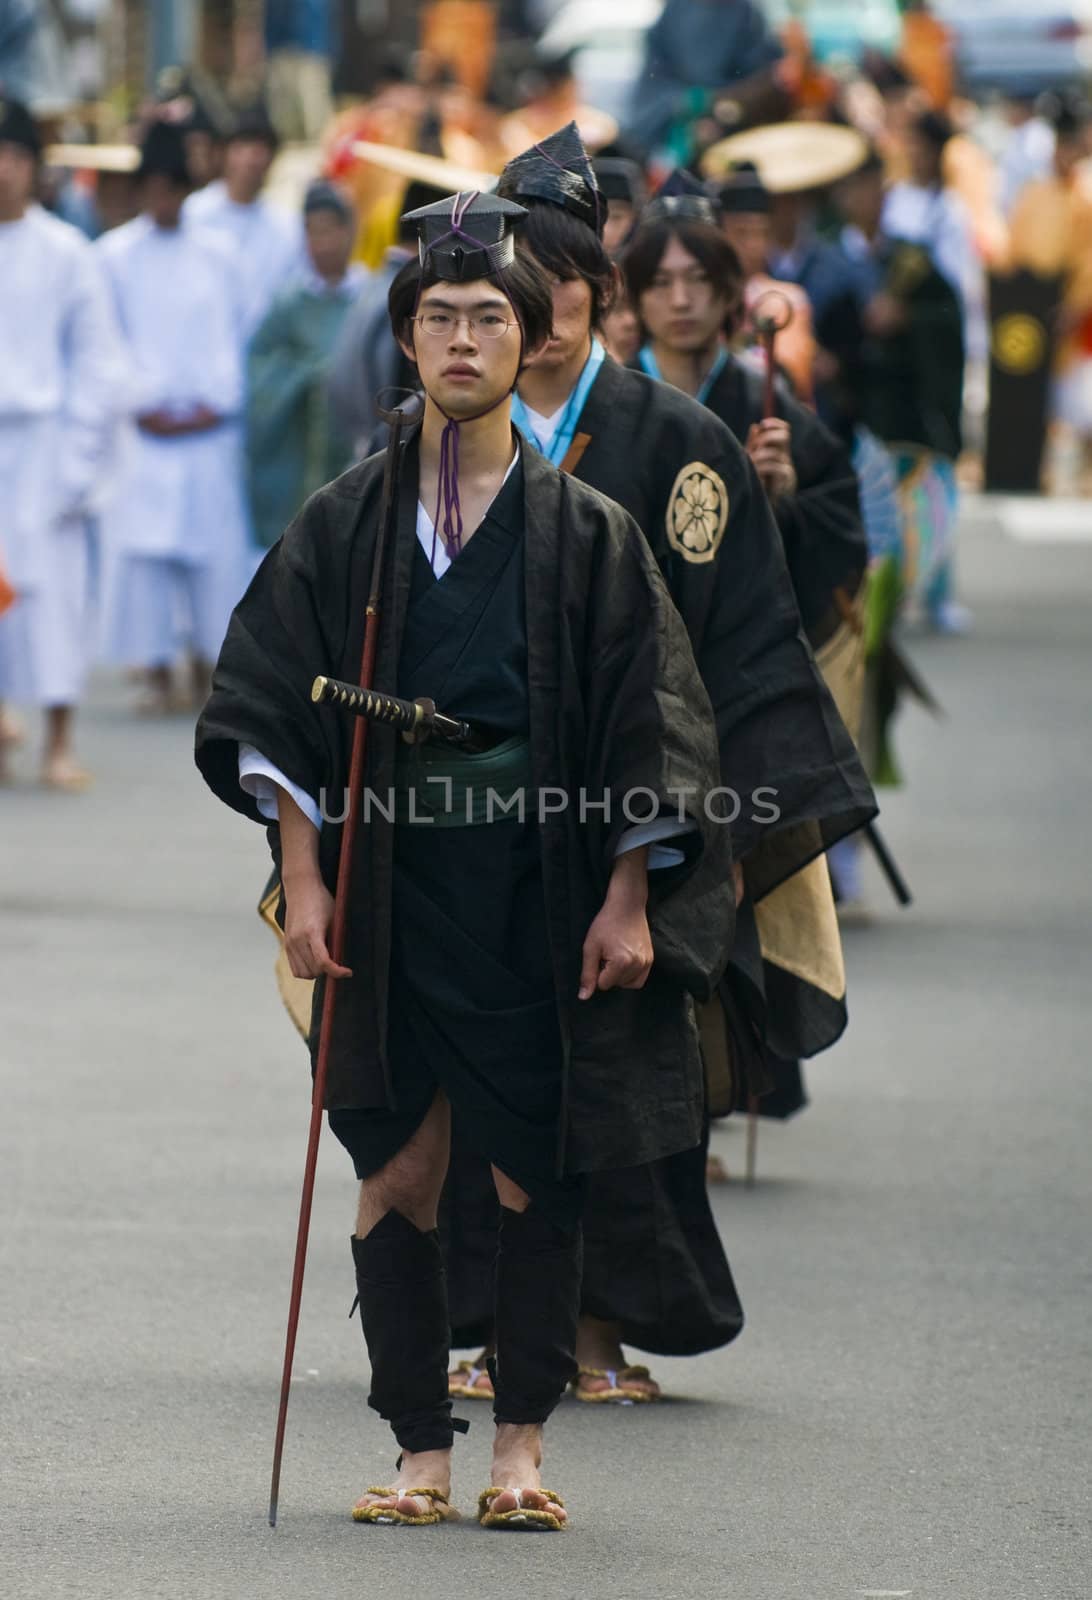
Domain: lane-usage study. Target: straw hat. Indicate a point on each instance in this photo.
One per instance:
(446, 176)
(791, 156)
(94, 157)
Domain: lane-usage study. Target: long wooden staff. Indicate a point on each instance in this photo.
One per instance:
(403, 416)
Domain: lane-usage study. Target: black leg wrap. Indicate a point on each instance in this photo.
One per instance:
(403, 1310)
(539, 1270)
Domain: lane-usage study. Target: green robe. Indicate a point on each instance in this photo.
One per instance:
(293, 445)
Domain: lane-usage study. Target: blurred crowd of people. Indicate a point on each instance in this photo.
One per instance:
(191, 348)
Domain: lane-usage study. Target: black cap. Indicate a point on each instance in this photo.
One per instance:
(17, 126)
(163, 153)
(619, 179)
(559, 171)
(253, 122)
(1067, 112)
(322, 195)
(467, 236)
(742, 190)
(683, 197)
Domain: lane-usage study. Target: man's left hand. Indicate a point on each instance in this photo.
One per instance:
(769, 445)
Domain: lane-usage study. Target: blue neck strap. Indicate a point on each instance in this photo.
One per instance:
(557, 447)
(650, 365)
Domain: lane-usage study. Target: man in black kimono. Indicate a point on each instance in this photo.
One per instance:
(686, 283)
(509, 959)
(689, 485)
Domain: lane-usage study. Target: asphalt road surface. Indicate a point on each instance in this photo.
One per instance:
(907, 1413)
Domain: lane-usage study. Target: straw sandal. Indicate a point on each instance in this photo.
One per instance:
(378, 1515)
(463, 1384)
(521, 1519)
(617, 1394)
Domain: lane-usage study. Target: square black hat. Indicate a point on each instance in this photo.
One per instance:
(559, 171)
(467, 236)
(741, 190)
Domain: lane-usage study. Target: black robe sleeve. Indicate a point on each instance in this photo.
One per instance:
(290, 625)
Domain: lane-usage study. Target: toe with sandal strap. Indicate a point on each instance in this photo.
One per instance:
(522, 1518)
(440, 1509)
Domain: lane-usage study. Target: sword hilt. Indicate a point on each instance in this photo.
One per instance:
(414, 719)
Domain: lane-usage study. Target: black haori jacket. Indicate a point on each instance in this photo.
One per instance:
(616, 704)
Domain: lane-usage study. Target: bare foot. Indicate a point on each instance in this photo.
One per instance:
(598, 1347)
(64, 773)
(517, 1459)
(471, 1380)
(716, 1171)
(12, 728)
(429, 1469)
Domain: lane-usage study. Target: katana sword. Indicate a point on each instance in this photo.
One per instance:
(414, 719)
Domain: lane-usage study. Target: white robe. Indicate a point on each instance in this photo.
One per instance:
(175, 533)
(266, 242)
(60, 364)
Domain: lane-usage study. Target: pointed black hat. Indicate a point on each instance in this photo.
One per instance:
(467, 236)
(681, 196)
(559, 171)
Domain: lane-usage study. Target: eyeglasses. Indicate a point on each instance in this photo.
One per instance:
(486, 324)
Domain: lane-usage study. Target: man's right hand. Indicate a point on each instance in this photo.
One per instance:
(308, 915)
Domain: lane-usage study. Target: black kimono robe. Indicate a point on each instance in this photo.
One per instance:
(687, 483)
(821, 529)
(654, 1261)
(613, 704)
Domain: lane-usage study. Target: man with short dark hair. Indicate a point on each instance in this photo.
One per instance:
(687, 482)
(293, 443)
(267, 242)
(176, 528)
(515, 960)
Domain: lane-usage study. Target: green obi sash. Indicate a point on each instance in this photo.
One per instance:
(442, 786)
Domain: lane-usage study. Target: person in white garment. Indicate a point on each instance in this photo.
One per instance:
(59, 367)
(267, 242)
(175, 532)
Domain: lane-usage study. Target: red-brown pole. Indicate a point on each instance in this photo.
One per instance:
(399, 419)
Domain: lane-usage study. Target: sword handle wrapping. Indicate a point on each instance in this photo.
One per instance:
(414, 719)
(409, 716)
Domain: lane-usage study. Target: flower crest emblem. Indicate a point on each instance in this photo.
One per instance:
(697, 512)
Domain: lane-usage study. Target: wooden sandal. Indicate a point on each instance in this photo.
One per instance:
(377, 1515)
(617, 1394)
(462, 1384)
(521, 1519)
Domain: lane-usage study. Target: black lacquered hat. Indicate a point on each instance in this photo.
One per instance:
(559, 171)
(683, 197)
(467, 236)
(17, 126)
(741, 190)
(620, 179)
